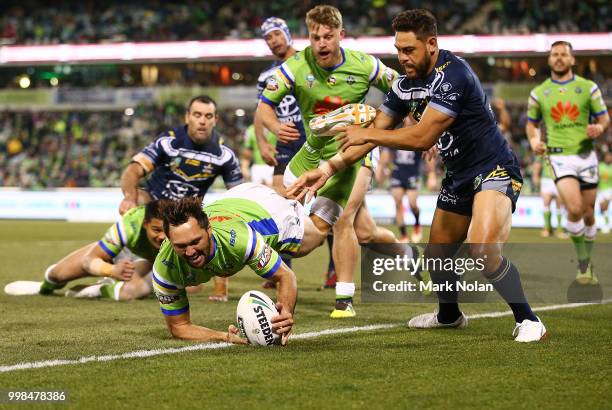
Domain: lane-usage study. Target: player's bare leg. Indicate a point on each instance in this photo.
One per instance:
(68, 268)
(580, 229)
(413, 194)
(398, 195)
(489, 230)
(547, 198)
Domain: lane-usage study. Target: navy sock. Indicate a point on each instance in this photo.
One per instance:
(416, 219)
(507, 282)
(402, 230)
(448, 308)
(330, 245)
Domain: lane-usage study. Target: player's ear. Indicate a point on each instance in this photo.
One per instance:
(342, 34)
(432, 45)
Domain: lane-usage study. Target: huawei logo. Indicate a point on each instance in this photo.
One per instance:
(328, 104)
(564, 109)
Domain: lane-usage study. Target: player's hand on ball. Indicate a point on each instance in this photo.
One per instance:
(352, 135)
(233, 336)
(282, 323)
(287, 132)
(123, 270)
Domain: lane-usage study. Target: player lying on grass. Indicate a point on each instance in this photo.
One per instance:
(250, 225)
(125, 255)
(482, 181)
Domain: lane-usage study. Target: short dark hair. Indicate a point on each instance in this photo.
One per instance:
(420, 21)
(152, 211)
(562, 43)
(203, 99)
(177, 212)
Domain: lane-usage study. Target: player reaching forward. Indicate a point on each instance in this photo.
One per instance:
(482, 181)
(250, 225)
(564, 103)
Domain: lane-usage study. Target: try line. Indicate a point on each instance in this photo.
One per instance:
(210, 346)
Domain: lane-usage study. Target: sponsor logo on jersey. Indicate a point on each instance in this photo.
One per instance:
(516, 186)
(442, 67)
(271, 84)
(233, 237)
(498, 173)
(546, 92)
(562, 90)
(561, 110)
(331, 80)
(168, 299)
(329, 103)
(447, 197)
(265, 257)
(350, 80)
(193, 162)
(578, 90)
(445, 87)
(310, 80)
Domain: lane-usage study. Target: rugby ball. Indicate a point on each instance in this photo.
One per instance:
(253, 314)
(327, 125)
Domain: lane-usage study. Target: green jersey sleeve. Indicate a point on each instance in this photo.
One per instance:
(597, 104)
(534, 112)
(123, 233)
(261, 257)
(278, 86)
(167, 284)
(383, 76)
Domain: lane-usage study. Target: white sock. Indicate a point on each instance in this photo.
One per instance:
(590, 232)
(575, 228)
(345, 290)
(117, 289)
(47, 272)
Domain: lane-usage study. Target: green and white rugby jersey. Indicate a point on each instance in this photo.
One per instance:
(250, 142)
(129, 232)
(565, 108)
(243, 233)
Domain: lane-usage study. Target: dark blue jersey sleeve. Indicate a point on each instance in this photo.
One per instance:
(230, 171)
(452, 90)
(393, 105)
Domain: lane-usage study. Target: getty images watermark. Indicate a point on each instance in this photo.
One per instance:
(402, 273)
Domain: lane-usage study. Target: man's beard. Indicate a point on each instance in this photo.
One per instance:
(562, 72)
(423, 69)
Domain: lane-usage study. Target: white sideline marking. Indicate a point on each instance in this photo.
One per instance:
(210, 346)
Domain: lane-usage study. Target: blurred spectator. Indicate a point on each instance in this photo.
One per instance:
(85, 149)
(37, 22)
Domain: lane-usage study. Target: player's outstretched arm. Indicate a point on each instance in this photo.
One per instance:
(180, 327)
(129, 186)
(97, 262)
(419, 137)
(286, 296)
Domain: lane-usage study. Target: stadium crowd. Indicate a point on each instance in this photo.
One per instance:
(25, 22)
(85, 149)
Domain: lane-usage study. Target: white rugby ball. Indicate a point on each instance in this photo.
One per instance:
(253, 314)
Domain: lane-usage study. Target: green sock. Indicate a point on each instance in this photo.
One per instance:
(111, 291)
(47, 288)
(547, 218)
(581, 248)
(606, 219)
(588, 244)
(309, 156)
(559, 218)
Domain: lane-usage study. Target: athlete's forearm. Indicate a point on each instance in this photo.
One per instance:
(286, 287)
(98, 267)
(189, 331)
(260, 135)
(268, 117)
(604, 121)
(533, 132)
(409, 138)
(130, 179)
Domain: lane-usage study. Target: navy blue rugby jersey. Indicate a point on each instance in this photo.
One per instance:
(288, 109)
(183, 168)
(473, 142)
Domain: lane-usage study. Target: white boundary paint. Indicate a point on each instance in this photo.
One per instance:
(211, 346)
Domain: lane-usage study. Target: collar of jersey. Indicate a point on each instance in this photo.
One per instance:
(564, 82)
(337, 65)
(211, 257)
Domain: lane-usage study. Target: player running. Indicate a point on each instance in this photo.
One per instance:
(482, 181)
(542, 178)
(278, 38)
(250, 225)
(564, 103)
(322, 78)
(124, 257)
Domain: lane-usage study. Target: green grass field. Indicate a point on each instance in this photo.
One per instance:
(478, 367)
